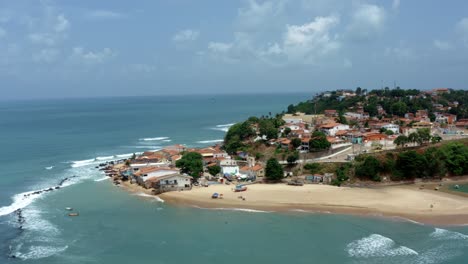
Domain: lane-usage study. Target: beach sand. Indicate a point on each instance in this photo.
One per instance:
(407, 201)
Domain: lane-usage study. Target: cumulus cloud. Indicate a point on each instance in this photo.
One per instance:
(46, 55)
(219, 46)
(54, 31)
(61, 24)
(186, 35)
(42, 38)
(309, 41)
(366, 22)
(92, 57)
(103, 14)
(258, 15)
(442, 45)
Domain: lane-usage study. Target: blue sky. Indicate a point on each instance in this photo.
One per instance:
(55, 49)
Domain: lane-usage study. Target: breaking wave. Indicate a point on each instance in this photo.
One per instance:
(154, 139)
(150, 196)
(49, 168)
(210, 141)
(443, 234)
(223, 128)
(377, 245)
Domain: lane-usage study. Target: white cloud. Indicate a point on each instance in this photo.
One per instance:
(396, 4)
(42, 38)
(305, 43)
(462, 28)
(3, 33)
(104, 14)
(92, 57)
(186, 35)
(442, 45)
(367, 21)
(46, 55)
(54, 30)
(61, 24)
(219, 47)
(256, 16)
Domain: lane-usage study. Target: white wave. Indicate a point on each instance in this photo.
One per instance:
(154, 139)
(210, 141)
(102, 179)
(224, 127)
(166, 140)
(124, 155)
(105, 158)
(443, 234)
(148, 147)
(20, 201)
(377, 245)
(38, 252)
(234, 209)
(150, 196)
(49, 168)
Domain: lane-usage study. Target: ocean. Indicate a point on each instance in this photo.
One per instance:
(45, 142)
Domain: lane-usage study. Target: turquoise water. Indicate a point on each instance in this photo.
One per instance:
(44, 142)
(462, 188)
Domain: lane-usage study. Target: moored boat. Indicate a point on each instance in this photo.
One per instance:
(240, 188)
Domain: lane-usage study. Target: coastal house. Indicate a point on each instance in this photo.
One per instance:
(147, 176)
(330, 129)
(256, 171)
(422, 124)
(173, 182)
(229, 167)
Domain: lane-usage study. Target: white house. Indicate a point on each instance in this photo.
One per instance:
(229, 166)
(392, 127)
(174, 182)
(331, 128)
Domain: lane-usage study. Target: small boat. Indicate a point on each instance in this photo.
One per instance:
(68, 208)
(240, 188)
(215, 195)
(73, 214)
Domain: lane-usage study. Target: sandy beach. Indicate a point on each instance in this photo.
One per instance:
(408, 201)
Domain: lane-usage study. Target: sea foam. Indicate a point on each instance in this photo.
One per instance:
(377, 245)
(210, 141)
(223, 128)
(154, 139)
(443, 234)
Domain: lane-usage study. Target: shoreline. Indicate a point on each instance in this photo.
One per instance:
(448, 209)
(401, 202)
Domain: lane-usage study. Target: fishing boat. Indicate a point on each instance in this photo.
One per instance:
(240, 188)
(68, 208)
(73, 214)
(215, 195)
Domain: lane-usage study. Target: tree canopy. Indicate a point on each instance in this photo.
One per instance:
(274, 170)
(191, 163)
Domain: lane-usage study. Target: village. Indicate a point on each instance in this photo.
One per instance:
(348, 133)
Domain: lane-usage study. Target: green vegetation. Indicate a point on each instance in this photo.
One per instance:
(274, 170)
(368, 168)
(240, 134)
(191, 163)
(319, 141)
(293, 157)
(296, 142)
(451, 159)
(342, 174)
(313, 167)
(214, 170)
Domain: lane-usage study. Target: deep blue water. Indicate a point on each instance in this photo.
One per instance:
(45, 141)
